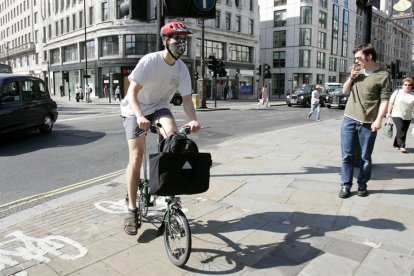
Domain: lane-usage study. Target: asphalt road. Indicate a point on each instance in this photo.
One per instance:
(87, 146)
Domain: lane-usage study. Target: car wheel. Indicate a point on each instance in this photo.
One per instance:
(47, 126)
(328, 106)
(289, 104)
(177, 101)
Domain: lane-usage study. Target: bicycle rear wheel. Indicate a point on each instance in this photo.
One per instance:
(177, 238)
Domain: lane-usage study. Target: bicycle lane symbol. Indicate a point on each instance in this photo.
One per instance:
(119, 207)
(36, 249)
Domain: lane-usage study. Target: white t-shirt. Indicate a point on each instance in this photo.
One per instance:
(403, 105)
(315, 97)
(159, 82)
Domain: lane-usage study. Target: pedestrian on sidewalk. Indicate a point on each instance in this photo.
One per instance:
(118, 93)
(88, 92)
(401, 111)
(78, 93)
(315, 103)
(368, 89)
(105, 90)
(265, 96)
(152, 84)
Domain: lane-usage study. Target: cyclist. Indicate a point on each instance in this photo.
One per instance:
(153, 83)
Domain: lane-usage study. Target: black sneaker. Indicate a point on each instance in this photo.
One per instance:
(344, 192)
(362, 192)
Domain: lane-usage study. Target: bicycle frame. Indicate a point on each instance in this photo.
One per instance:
(174, 225)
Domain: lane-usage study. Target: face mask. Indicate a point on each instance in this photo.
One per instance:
(177, 48)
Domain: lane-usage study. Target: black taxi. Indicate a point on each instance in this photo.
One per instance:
(25, 103)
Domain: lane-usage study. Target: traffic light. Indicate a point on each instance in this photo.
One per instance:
(196, 76)
(189, 8)
(221, 69)
(259, 70)
(135, 9)
(212, 65)
(65, 76)
(267, 74)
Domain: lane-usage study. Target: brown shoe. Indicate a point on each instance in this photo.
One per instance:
(131, 223)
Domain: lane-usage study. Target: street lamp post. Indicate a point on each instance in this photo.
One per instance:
(86, 50)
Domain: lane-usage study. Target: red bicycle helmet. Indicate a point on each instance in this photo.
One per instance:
(174, 28)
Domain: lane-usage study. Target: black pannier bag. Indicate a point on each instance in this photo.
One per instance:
(178, 143)
(179, 173)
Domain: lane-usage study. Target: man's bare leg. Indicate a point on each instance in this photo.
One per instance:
(136, 151)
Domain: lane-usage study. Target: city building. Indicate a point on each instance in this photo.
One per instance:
(311, 42)
(89, 42)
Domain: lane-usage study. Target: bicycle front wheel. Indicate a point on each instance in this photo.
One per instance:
(177, 238)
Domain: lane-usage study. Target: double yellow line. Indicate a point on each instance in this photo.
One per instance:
(32, 198)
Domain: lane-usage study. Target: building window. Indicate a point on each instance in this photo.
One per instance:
(305, 37)
(279, 18)
(238, 24)
(322, 40)
(335, 29)
(62, 30)
(345, 34)
(320, 78)
(70, 53)
(73, 22)
(342, 65)
(90, 49)
(80, 20)
(55, 56)
(50, 30)
(332, 64)
(323, 3)
(304, 58)
(322, 19)
(109, 45)
(67, 24)
(279, 39)
(105, 15)
(56, 28)
(228, 21)
(210, 48)
(239, 53)
(91, 16)
(320, 60)
(279, 59)
(306, 15)
(251, 5)
(251, 27)
(279, 2)
(140, 44)
(35, 17)
(118, 11)
(218, 19)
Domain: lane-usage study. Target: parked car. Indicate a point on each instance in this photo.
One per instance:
(25, 103)
(176, 99)
(336, 98)
(331, 86)
(302, 96)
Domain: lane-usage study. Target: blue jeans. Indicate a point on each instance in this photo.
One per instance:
(316, 106)
(352, 134)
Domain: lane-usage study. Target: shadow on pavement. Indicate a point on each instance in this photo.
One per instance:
(381, 171)
(25, 142)
(298, 247)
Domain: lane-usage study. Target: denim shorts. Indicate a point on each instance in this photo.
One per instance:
(132, 130)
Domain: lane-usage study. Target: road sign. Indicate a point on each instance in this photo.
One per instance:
(86, 76)
(204, 5)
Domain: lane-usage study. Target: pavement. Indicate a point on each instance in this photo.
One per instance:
(272, 209)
